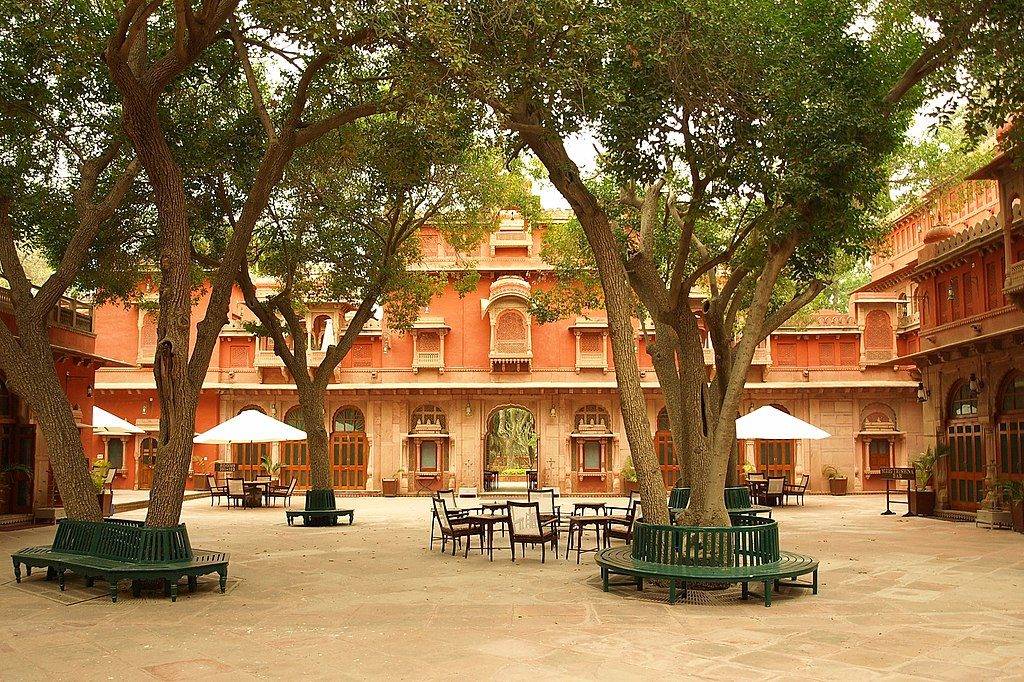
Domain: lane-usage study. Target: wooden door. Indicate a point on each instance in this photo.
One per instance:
(349, 451)
(247, 456)
(666, 457)
(147, 460)
(775, 457)
(18, 449)
(1010, 462)
(294, 463)
(965, 465)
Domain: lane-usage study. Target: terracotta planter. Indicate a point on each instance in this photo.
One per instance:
(628, 487)
(1017, 516)
(106, 501)
(389, 486)
(921, 502)
(837, 486)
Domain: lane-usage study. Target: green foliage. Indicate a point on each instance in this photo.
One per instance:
(1009, 491)
(830, 472)
(269, 465)
(99, 473)
(512, 439)
(924, 464)
(628, 472)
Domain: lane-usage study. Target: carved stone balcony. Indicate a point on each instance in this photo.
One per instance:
(1013, 287)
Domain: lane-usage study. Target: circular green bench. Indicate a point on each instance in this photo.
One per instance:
(743, 553)
(121, 549)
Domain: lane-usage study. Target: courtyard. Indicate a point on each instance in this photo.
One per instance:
(900, 598)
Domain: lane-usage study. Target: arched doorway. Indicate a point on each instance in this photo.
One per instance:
(294, 455)
(965, 465)
(147, 460)
(249, 455)
(349, 449)
(1010, 462)
(510, 446)
(666, 452)
(17, 455)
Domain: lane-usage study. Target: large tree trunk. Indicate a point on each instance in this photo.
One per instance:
(311, 401)
(619, 304)
(33, 377)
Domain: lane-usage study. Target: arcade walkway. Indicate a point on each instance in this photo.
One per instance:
(900, 599)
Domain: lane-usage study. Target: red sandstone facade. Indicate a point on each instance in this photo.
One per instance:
(72, 335)
(420, 406)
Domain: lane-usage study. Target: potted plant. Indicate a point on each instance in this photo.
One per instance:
(7, 486)
(748, 469)
(99, 479)
(921, 499)
(271, 467)
(628, 477)
(1012, 494)
(836, 480)
(389, 486)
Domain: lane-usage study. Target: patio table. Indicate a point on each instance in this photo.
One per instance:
(254, 493)
(578, 523)
(490, 521)
(580, 508)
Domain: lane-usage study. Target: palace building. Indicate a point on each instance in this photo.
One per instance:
(479, 393)
(23, 449)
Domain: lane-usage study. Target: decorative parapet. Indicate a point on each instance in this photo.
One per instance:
(964, 240)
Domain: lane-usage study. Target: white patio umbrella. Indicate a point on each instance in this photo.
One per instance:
(107, 424)
(250, 426)
(768, 423)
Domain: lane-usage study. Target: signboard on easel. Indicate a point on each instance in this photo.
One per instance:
(891, 474)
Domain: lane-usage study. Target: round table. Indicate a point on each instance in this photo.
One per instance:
(493, 507)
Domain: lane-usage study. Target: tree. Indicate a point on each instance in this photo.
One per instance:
(344, 229)
(548, 70)
(330, 78)
(67, 173)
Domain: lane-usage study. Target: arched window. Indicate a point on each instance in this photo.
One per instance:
(349, 419)
(592, 417)
(663, 422)
(1012, 397)
(427, 415)
(962, 402)
(510, 332)
(293, 417)
(252, 407)
(878, 334)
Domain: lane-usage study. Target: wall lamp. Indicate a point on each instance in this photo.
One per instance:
(922, 393)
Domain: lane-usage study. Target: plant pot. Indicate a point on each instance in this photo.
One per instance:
(837, 486)
(628, 487)
(389, 486)
(1017, 516)
(921, 502)
(106, 502)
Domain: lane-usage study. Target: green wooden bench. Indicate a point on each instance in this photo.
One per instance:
(329, 516)
(320, 510)
(737, 501)
(745, 553)
(117, 549)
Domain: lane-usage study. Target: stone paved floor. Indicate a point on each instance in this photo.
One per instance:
(900, 598)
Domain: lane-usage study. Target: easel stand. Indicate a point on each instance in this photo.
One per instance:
(891, 474)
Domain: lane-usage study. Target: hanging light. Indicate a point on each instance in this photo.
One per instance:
(922, 392)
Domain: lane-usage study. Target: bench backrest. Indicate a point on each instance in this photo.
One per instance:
(679, 498)
(751, 542)
(122, 540)
(737, 498)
